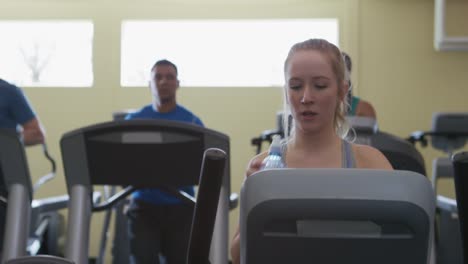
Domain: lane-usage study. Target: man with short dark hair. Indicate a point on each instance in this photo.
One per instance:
(160, 223)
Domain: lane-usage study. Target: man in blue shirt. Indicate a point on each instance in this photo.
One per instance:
(158, 222)
(17, 114)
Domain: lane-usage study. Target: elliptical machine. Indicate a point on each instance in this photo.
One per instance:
(448, 134)
(45, 224)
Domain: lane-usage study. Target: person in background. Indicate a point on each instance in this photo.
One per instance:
(315, 92)
(17, 114)
(158, 222)
(357, 106)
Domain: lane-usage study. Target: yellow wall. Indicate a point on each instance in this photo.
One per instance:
(390, 41)
(402, 74)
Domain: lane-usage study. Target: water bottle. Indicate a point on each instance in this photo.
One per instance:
(274, 160)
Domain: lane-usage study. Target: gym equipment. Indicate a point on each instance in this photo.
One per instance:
(336, 216)
(31, 225)
(449, 133)
(137, 154)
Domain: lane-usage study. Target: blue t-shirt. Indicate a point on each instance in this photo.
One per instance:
(155, 196)
(14, 107)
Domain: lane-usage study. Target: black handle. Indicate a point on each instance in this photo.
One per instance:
(460, 166)
(209, 188)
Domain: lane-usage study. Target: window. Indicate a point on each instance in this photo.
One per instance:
(47, 53)
(217, 53)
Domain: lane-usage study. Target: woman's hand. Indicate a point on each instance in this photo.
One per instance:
(255, 164)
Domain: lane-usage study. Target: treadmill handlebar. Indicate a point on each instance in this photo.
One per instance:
(114, 199)
(421, 136)
(124, 193)
(460, 166)
(204, 216)
(266, 135)
(233, 201)
(418, 136)
(49, 176)
(181, 195)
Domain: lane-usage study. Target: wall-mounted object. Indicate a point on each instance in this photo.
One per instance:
(442, 42)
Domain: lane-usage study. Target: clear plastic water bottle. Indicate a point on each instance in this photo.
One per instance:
(274, 160)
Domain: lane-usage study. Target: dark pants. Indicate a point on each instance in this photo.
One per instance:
(3, 211)
(159, 229)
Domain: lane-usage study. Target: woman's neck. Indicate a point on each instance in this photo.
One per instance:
(314, 151)
(315, 143)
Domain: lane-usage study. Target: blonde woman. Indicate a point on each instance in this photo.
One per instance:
(314, 94)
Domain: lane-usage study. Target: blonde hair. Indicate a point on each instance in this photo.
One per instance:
(338, 66)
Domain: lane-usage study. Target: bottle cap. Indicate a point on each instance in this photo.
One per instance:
(275, 146)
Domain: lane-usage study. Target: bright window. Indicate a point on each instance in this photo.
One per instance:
(217, 53)
(47, 53)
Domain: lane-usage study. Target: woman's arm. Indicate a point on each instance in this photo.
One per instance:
(254, 166)
(235, 247)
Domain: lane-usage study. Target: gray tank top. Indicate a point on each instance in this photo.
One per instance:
(347, 156)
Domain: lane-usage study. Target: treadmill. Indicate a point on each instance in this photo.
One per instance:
(120, 249)
(138, 154)
(353, 216)
(448, 134)
(16, 176)
(26, 219)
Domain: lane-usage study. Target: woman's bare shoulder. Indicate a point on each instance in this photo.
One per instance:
(368, 157)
